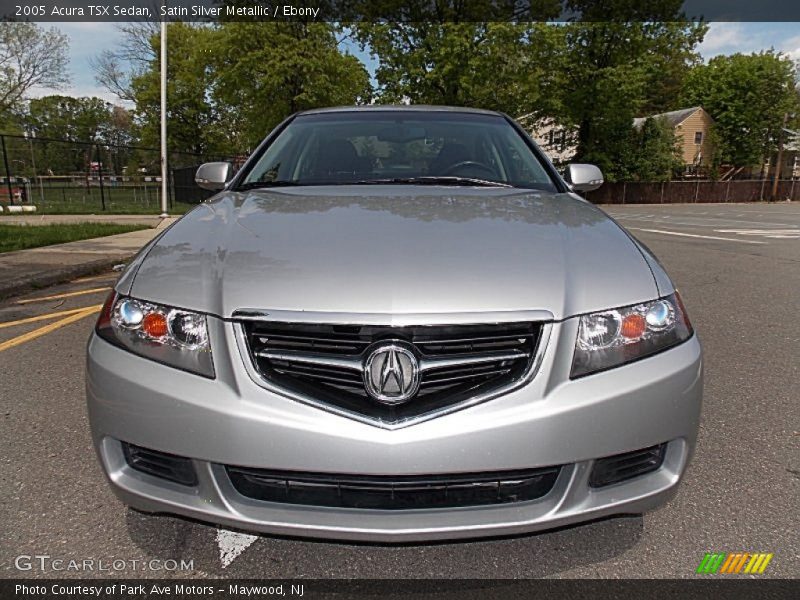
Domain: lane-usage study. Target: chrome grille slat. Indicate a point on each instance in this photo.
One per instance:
(473, 370)
(426, 364)
(320, 376)
(455, 362)
(313, 359)
(466, 376)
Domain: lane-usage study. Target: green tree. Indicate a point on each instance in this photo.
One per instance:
(229, 84)
(264, 72)
(503, 66)
(748, 96)
(486, 53)
(68, 118)
(30, 56)
(615, 69)
(651, 153)
(72, 121)
(193, 119)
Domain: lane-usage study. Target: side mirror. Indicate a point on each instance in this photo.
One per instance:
(583, 177)
(213, 176)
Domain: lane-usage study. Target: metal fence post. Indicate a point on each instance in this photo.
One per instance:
(8, 171)
(100, 173)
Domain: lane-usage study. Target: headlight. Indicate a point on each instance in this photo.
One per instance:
(614, 337)
(175, 337)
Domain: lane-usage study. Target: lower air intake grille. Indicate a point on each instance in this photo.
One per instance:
(622, 467)
(455, 363)
(393, 493)
(160, 464)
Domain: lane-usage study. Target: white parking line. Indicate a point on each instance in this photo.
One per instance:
(783, 234)
(694, 235)
(690, 221)
(231, 544)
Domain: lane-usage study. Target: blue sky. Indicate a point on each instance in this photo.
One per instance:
(88, 39)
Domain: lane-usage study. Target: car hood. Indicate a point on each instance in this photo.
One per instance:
(396, 250)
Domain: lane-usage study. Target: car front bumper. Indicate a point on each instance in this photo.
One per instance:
(551, 421)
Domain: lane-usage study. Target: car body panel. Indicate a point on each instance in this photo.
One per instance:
(398, 250)
(551, 421)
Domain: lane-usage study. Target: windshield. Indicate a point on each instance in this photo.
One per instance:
(391, 147)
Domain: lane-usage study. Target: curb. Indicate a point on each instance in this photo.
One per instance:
(61, 275)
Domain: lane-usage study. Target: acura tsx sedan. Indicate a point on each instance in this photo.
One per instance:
(394, 324)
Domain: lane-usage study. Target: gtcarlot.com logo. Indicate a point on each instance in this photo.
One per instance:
(47, 563)
(735, 563)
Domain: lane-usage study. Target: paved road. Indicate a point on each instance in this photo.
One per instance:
(739, 270)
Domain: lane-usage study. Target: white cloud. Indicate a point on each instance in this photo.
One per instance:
(792, 47)
(77, 91)
(721, 37)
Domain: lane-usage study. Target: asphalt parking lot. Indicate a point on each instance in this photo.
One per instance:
(738, 268)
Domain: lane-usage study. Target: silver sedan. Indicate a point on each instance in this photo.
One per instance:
(395, 324)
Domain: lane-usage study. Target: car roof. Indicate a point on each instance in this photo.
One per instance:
(401, 107)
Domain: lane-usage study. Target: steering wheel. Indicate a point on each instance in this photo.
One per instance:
(473, 164)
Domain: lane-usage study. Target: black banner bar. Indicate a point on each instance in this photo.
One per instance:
(398, 10)
(473, 589)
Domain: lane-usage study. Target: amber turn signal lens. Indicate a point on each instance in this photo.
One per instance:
(633, 326)
(154, 324)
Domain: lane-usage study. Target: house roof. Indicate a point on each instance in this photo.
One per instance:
(673, 117)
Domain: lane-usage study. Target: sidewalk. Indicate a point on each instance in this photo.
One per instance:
(34, 219)
(48, 265)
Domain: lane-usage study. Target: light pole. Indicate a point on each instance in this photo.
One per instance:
(164, 183)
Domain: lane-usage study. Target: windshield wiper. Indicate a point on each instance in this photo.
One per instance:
(433, 180)
(255, 185)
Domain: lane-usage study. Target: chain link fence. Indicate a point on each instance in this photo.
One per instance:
(58, 176)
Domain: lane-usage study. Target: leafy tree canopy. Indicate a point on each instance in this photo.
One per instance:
(229, 84)
(748, 97)
(650, 152)
(30, 56)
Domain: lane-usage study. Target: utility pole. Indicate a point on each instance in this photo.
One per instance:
(164, 182)
(779, 160)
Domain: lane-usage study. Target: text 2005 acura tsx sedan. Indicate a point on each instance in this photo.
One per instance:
(394, 324)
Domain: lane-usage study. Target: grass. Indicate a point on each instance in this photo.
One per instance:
(77, 208)
(20, 237)
(118, 200)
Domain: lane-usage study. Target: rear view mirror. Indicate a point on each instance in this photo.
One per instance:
(213, 176)
(583, 177)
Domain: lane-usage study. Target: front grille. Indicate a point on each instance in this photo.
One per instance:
(326, 362)
(621, 467)
(393, 493)
(160, 464)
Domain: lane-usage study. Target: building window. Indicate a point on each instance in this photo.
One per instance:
(698, 137)
(562, 140)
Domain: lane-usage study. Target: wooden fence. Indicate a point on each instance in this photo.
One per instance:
(683, 192)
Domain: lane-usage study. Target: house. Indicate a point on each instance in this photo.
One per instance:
(693, 133)
(557, 141)
(790, 158)
(692, 129)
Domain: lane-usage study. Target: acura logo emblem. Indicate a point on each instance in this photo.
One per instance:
(391, 373)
